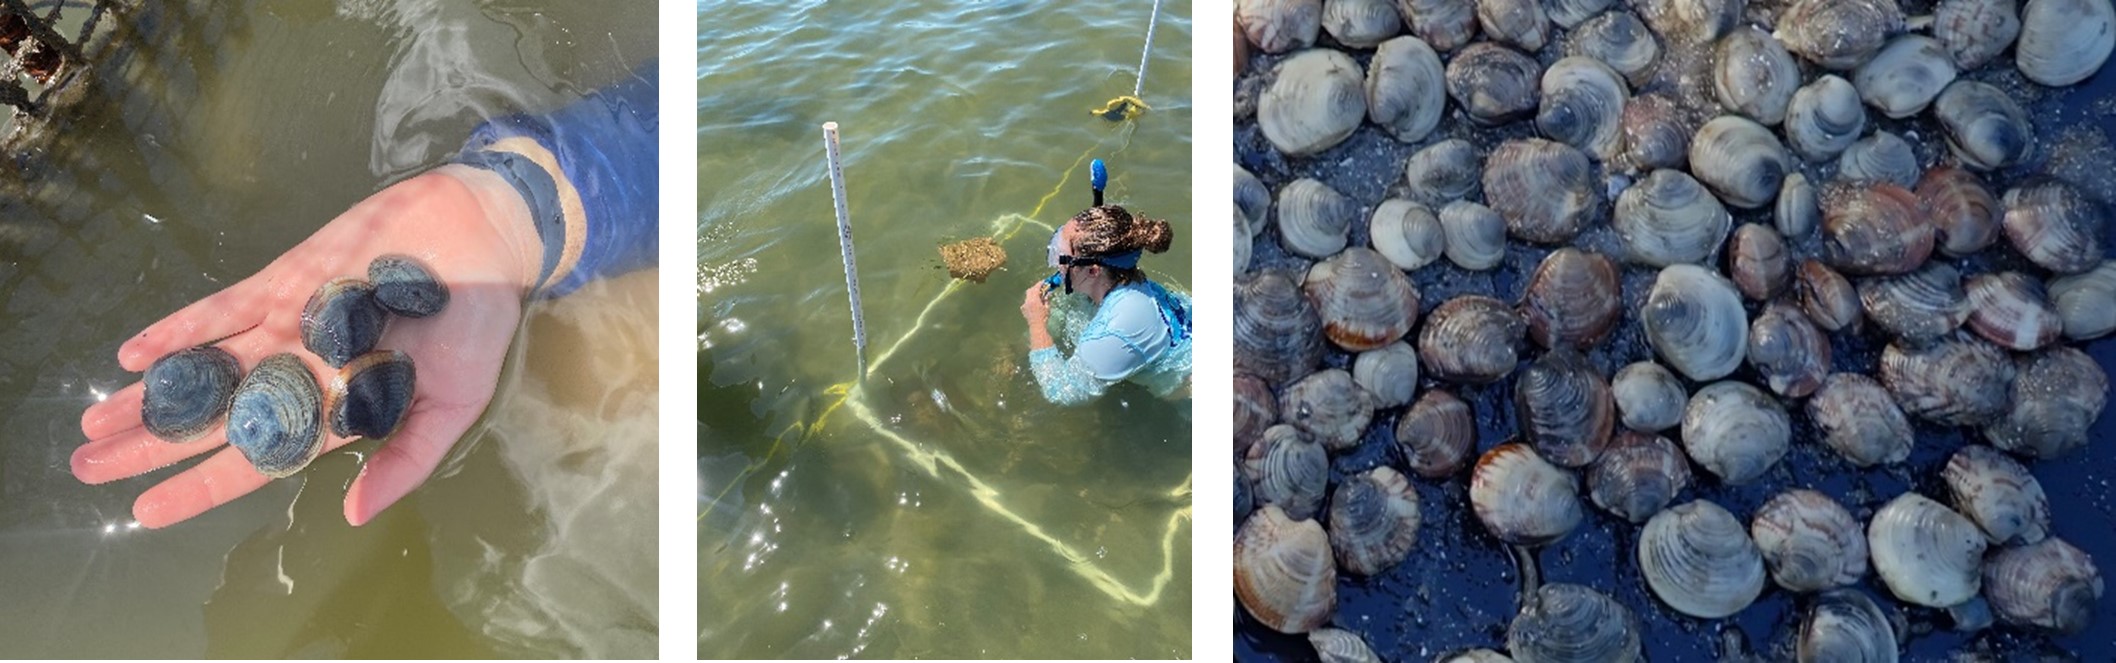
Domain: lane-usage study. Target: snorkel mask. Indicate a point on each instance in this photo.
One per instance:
(1054, 253)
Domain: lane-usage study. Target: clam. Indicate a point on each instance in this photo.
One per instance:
(1328, 406)
(2009, 308)
(1617, 39)
(1288, 470)
(1277, 333)
(1517, 23)
(1313, 219)
(1340, 646)
(1470, 339)
(1735, 431)
(1695, 322)
(1917, 307)
(1572, 300)
(1826, 297)
(1444, 172)
(1255, 409)
(1583, 106)
(1406, 233)
(1477, 656)
(1798, 210)
(1244, 243)
(1252, 199)
(1364, 300)
(1859, 419)
(1476, 236)
(1649, 397)
(1315, 102)
(1521, 499)
(2058, 395)
(186, 392)
(404, 286)
(1960, 208)
(1986, 129)
(1278, 26)
(1656, 133)
(1436, 435)
(1905, 76)
(1638, 475)
(2064, 41)
(1756, 258)
(1445, 24)
(1839, 34)
(1974, 31)
(1789, 353)
(1690, 22)
(342, 321)
(1873, 229)
(1956, 381)
(371, 395)
(1283, 573)
(1405, 87)
(1699, 560)
(1373, 521)
(2082, 302)
(276, 416)
(1545, 190)
(2050, 585)
(1571, 13)
(1388, 374)
(1846, 625)
(1754, 75)
(2055, 226)
(1361, 23)
(1997, 494)
(1925, 552)
(1565, 622)
(1824, 118)
(1881, 157)
(1740, 160)
(1565, 408)
(1668, 218)
(1809, 541)
(1244, 497)
(1492, 83)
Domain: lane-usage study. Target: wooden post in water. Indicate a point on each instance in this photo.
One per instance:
(852, 275)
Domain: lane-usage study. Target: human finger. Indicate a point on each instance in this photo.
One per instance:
(404, 462)
(117, 412)
(216, 481)
(219, 315)
(135, 452)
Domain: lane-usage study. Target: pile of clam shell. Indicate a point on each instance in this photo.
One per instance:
(277, 414)
(1673, 274)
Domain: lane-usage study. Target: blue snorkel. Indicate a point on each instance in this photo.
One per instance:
(1098, 177)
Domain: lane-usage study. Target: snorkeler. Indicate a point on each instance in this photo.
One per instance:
(534, 206)
(1140, 331)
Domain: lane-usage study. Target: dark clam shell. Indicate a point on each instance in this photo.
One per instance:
(1437, 434)
(342, 321)
(1277, 332)
(371, 395)
(188, 391)
(1565, 407)
(276, 417)
(405, 287)
(1572, 300)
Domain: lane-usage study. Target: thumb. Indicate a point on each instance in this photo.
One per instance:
(407, 459)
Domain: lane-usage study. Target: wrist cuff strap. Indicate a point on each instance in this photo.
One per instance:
(538, 191)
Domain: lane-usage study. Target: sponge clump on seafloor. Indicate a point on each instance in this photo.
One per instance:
(974, 258)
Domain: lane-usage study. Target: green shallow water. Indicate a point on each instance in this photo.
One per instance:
(222, 135)
(941, 509)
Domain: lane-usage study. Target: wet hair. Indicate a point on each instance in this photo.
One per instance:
(1107, 230)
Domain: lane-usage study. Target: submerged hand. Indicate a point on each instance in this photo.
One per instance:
(1034, 307)
(467, 225)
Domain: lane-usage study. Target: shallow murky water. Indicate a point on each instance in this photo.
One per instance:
(222, 135)
(944, 509)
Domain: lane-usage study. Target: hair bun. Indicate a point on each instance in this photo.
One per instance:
(1153, 235)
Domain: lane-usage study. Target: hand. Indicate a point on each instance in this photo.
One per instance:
(468, 226)
(1034, 308)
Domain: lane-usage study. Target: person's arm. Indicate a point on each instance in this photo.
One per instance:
(1118, 343)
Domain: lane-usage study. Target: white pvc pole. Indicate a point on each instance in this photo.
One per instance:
(852, 275)
(1139, 82)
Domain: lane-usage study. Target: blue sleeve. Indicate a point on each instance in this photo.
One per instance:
(597, 212)
(1123, 338)
(1066, 381)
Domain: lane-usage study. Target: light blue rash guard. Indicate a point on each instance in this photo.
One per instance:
(1141, 333)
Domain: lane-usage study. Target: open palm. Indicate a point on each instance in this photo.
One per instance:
(466, 225)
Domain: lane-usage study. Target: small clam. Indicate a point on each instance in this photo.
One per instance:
(1798, 209)
(1340, 646)
(1244, 243)
(187, 392)
(404, 286)
(1960, 208)
(1956, 381)
(1388, 374)
(1873, 229)
(1638, 475)
(1492, 83)
(1255, 409)
(1315, 102)
(1545, 190)
(1288, 470)
(1436, 435)
(1446, 25)
(1826, 297)
(2009, 308)
(1846, 625)
(1566, 622)
(1477, 656)
(1656, 133)
(1517, 23)
(1742, 161)
(1252, 199)
(1572, 300)
(1974, 31)
(1620, 40)
(1571, 13)
(1283, 573)
(2055, 226)
(1789, 353)
(1521, 499)
(1809, 541)
(1406, 233)
(2050, 585)
(1278, 26)
(1881, 157)
(2058, 395)
(1735, 431)
(1858, 419)
(1277, 333)
(1695, 322)
(1649, 397)
(1244, 496)
(1699, 560)
(1444, 172)
(1564, 407)
(1373, 521)
(371, 395)
(1754, 75)
(1997, 494)
(342, 321)
(1476, 236)
(276, 416)
(1668, 218)
(1690, 22)
(1905, 76)
(1405, 87)
(1756, 259)
(1920, 306)
(1470, 339)
(1583, 106)
(1824, 118)
(1328, 406)
(1925, 552)
(2064, 41)
(2082, 302)
(1361, 24)
(1985, 127)
(1364, 300)
(1839, 34)
(1313, 219)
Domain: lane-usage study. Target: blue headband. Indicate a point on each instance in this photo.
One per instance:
(1125, 260)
